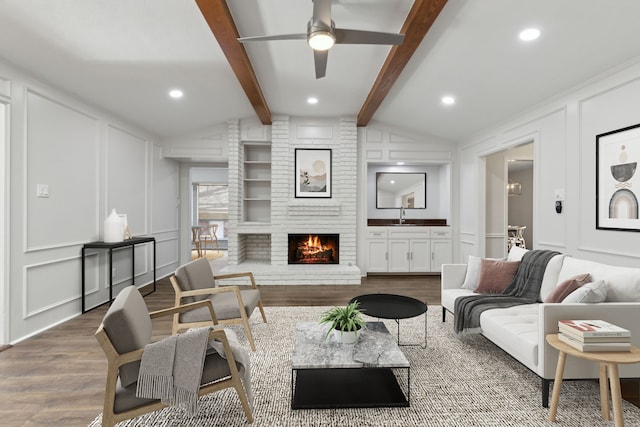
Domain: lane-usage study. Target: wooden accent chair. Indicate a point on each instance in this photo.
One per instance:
(208, 237)
(195, 281)
(123, 334)
(195, 240)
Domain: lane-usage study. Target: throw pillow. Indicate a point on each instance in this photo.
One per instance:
(589, 293)
(473, 271)
(516, 253)
(565, 288)
(495, 275)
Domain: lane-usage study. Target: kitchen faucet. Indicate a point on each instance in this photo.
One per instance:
(402, 213)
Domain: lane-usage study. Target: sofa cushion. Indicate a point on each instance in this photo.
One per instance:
(515, 330)
(590, 293)
(495, 275)
(550, 278)
(623, 282)
(566, 287)
(448, 297)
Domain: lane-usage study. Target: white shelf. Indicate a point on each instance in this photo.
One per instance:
(257, 183)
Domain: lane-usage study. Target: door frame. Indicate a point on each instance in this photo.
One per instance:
(531, 138)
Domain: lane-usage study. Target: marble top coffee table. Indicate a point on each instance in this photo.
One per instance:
(328, 374)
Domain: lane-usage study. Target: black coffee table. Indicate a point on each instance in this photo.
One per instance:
(396, 307)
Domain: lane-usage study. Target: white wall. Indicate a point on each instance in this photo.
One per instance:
(563, 132)
(91, 162)
(4, 287)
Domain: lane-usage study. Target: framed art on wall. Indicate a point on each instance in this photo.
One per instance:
(313, 172)
(617, 180)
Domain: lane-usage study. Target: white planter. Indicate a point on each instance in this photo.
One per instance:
(346, 337)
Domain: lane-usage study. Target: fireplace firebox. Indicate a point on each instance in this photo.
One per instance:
(314, 249)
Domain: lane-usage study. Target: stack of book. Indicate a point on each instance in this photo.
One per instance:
(594, 335)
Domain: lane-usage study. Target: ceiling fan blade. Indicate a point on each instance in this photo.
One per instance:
(344, 36)
(320, 60)
(322, 11)
(268, 38)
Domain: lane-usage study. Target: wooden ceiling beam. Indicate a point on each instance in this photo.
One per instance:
(218, 16)
(422, 15)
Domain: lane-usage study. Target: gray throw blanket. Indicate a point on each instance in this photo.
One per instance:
(171, 369)
(523, 290)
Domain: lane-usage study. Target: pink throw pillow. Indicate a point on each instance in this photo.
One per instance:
(495, 275)
(565, 288)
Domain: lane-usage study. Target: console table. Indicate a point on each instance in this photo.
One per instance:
(132, 242)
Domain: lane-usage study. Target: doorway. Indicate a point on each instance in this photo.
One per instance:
(509, 189)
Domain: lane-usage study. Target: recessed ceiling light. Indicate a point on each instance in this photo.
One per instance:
(529, 34)
(312, 100)
(400, 163)
(448, 100)
(176, 93)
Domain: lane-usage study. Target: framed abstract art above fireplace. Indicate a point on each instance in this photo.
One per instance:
(313, 172)
(617, 179)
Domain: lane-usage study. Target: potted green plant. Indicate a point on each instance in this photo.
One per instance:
(346, 322)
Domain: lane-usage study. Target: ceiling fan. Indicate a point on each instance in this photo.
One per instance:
(322, 35)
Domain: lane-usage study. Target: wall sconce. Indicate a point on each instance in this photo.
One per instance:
(514, 188)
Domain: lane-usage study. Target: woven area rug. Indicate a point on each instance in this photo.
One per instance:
(455, 381)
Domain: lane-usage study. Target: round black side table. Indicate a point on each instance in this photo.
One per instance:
(395, 307)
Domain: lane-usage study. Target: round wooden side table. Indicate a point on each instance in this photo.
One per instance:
(609, 361)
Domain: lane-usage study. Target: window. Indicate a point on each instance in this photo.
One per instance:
(211, 206)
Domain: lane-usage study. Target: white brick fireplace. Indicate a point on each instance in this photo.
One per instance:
(262, 246)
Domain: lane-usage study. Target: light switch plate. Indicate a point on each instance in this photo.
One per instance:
(42, 190)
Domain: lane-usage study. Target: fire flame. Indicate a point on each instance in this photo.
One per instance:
(313, 245)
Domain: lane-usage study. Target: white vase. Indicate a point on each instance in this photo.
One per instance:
(113, 228)
(345, 337)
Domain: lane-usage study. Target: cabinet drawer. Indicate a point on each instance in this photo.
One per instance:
(440, 232)
(377, 233)
(409, 233)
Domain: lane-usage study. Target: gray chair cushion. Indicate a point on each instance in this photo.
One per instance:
(225, 305)
(194, 275)
(128, 325)
(215, 368)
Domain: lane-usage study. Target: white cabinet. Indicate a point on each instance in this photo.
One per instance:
(419, 255)
(408, 249)
(441, 253)
(377, 247)
(257, 182)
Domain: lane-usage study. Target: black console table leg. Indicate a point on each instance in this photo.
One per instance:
(83, 282)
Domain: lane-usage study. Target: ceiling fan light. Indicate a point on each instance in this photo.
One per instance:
(321, 40)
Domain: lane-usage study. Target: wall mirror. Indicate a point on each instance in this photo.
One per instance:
(401, 189)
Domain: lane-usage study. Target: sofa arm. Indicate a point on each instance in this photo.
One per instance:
(624, 314)
(452, 276)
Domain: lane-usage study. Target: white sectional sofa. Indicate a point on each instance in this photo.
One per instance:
(520, 330)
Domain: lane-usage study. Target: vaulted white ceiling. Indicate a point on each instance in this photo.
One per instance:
(125, 55)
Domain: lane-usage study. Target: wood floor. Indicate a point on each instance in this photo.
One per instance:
(57, 377)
